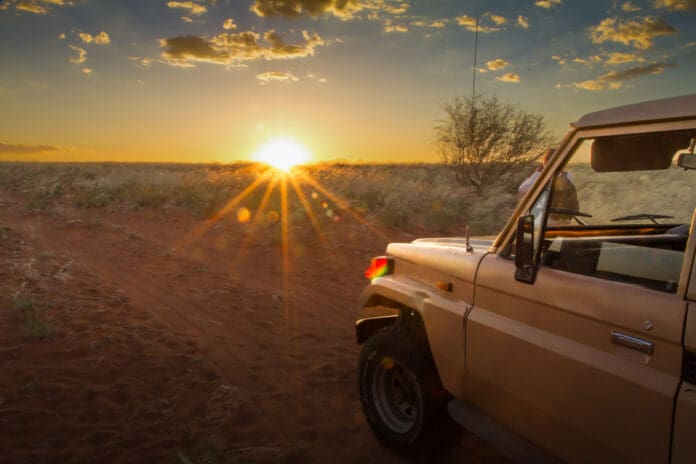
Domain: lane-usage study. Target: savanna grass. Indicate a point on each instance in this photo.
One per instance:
(422, 197)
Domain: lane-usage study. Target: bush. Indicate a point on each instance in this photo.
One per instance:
(485, 140)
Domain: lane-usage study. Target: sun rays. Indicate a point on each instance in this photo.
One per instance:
(295, 190)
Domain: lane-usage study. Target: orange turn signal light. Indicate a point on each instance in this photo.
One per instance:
(380, 266)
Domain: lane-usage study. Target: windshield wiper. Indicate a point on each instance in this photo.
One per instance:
(636, 217)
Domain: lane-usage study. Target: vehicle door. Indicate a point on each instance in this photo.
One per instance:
(584, 355)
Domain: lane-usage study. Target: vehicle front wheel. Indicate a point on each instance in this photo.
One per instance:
(401, 393)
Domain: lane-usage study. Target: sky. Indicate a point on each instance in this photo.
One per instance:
(350, 80)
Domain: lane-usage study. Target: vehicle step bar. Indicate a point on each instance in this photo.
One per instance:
(508, 442)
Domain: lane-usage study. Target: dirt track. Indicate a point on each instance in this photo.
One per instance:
(172, 345)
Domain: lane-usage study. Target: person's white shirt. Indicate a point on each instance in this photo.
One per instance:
(529, 181)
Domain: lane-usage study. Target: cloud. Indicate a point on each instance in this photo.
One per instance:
(509, 77)
(85, 37)
(31, 7)
(639, 35)
(229, 24)
(498, 20)
(186, 19)
(344, 9)
(629, 7)
(522, 22)
(676, 5)
(435, 24)
(321, 80)
(276, 76)
(620, 58)
(497, 64)
(389, 26)
(570, 58)
(87, 71)
(99, 39)
(141, 61)
(469, 24)
(6, 148)
(61, 37)
(234, 48)
(34, 6)
(80, 57)
(193, 8)
(616, 79)
(547, 3)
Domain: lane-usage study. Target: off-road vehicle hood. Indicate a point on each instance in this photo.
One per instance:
(446, 255)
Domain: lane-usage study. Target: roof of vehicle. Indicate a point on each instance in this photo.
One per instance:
(655, 110)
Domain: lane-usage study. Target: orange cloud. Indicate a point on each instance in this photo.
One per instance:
(635, 33)
(99, 39)
(193, 8)
(497, 64)
(629, 7)
(231, 48)
(498, 20)
(34, 6)
(509, 77)
(676, 5)
(469, 24)
(616, 79)
(31, 7)
(547, 3)
(619, 58)
(436, 24)
(344, 9)
(80, 57)
(389, 26)
(276, 76)
(229, 24)
(522, 22)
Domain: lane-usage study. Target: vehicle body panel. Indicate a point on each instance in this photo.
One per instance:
(684, 445)
(415, 286)
(564, 323)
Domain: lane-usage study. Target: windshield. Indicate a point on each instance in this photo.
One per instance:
(640, 196)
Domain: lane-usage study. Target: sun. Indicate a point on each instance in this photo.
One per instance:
(283, 154)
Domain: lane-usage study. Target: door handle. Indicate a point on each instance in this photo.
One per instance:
(632, 342)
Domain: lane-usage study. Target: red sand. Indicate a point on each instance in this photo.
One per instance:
(168, 349)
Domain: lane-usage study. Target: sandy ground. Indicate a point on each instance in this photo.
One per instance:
(130, 336)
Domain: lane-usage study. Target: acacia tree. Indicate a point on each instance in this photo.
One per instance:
(485, 140)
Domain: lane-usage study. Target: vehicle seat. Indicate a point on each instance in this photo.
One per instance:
(579, 256)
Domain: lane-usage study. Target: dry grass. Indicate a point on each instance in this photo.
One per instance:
(607, 195)
(423, 198)
(34, 318)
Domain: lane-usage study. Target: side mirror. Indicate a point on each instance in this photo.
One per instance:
(524, 249)
(687, 161)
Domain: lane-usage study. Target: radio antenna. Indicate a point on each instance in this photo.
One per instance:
(473, 86)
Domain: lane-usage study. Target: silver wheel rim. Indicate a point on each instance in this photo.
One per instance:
(395, 395)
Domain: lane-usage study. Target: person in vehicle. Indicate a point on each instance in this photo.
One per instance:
(564, 194)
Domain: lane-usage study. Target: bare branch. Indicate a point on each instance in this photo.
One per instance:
(487, 141)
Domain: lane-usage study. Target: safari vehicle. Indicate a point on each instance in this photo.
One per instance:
(571, 335)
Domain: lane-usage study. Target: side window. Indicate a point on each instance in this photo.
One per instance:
(622, 218)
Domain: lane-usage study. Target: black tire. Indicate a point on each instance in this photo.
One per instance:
(401, 393)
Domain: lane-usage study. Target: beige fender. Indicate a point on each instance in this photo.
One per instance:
(443, 319)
